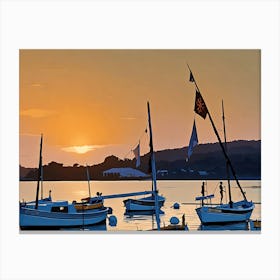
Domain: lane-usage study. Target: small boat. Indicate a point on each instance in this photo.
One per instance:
(239, 211)
(89, 202)
(58, 214)
(147, 203)
(255, 224)
(175, 227)
(236, 212)
(143, 204)
(45, 213)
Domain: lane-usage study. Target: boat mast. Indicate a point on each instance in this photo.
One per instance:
(39, 173)
(153, 168)
(88, 179)
(228, 175)
(42, 178)
(222, 146)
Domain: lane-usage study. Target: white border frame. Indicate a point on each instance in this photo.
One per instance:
(139, 24)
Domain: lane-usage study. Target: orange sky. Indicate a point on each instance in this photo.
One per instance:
(97, 98)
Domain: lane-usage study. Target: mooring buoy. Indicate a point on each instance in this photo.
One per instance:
(113, 221)
(174, 221)
(176, 205)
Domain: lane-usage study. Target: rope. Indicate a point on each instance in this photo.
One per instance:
(141, 136)
(216, 188)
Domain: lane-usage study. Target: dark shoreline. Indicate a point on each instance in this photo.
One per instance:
(167, 179)
(206, 163)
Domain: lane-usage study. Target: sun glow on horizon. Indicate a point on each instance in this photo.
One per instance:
(81, 149)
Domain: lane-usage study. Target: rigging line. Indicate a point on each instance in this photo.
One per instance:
(227, 164)
(141, 136)
(125, 156)
(216, 188)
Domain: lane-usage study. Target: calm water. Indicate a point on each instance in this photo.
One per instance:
(183, 192)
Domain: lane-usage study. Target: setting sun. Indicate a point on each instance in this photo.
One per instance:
(79, 149)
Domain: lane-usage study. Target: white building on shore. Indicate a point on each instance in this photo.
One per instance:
(124, 172)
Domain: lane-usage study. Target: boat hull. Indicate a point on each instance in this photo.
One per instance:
(144, 204)
(240, 212)
(31, 218)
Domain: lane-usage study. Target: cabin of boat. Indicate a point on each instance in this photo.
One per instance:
(89, 203)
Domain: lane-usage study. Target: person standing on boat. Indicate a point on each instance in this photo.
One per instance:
(50, 195)
(221, 191)
(203, 192)
(183, 220)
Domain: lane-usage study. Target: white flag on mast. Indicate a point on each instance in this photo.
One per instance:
(136, 153)
(193, 141)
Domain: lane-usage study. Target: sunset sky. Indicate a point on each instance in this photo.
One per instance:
(90, 104)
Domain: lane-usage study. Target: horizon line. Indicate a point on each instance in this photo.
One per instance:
(147, 153)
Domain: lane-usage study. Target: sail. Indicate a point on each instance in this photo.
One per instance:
(136, 153)
(193, 141)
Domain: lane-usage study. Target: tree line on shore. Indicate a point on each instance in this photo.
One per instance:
(207, 162)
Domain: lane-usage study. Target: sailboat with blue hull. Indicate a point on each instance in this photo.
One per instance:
(231, 212)
(143, 204)
(45, 213)
(153, 201)
(225, 213)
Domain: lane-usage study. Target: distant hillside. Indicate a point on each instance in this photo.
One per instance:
(23, 172)
(207, 162)
(245, 157)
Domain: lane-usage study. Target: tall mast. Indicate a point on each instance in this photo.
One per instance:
(153, 167)
(39, 173)
(227, 169)
(88, 179)
(222, 146)
(42, 178)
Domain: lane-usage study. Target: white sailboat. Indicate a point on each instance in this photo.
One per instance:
(239, 211)
(154, 201)
(47, 214)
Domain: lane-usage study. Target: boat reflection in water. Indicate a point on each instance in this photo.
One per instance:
(98, 227)
(226, 226)
(252, 225)
(139, 213)
(144, 217)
